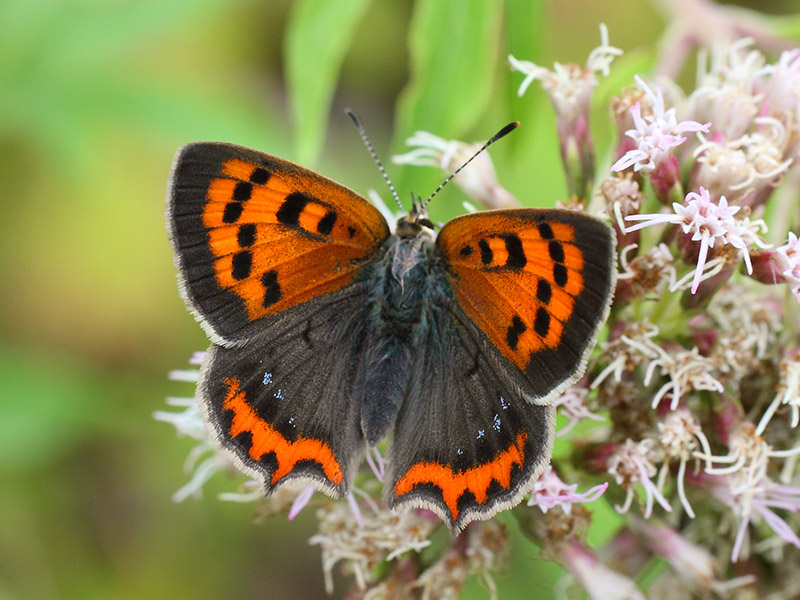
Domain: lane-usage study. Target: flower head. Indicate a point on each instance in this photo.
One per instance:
(788, 257)
(572, 404)
(655, 135)
(744, 165)
(482, 548)
(633, 464)
(707, 222)
(782, 86)
(679, 437)
(381, 535)
(646, 274)
(479, 180)
(756, 501)
(550, 491)
(727, 89)
(569, 86)
(601, 582)
(788, 390)
(686, 369)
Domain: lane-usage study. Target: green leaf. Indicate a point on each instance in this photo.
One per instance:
(79, 68)
(524, 35)
(318, 36)
(454, 47)
(535, 142)
(785, 26)
(47, 407)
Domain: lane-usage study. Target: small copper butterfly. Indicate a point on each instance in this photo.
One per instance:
(329, 332)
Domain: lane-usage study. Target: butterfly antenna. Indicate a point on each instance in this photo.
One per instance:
(502, 133)
(363, 133)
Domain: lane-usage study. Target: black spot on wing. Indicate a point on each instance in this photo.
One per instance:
(516, 329)
(242, 191)
(486, 252)
(516, 254)
(291, 209)
(232, 212)
(242, 262)
(543, 291)
(326, 223)
(560, 274)
(246, 236)
(260, 176)
(545, 231)
(272, 289)
(541, 324)
(556, 251)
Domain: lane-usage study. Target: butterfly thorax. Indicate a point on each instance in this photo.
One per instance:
(406, 279)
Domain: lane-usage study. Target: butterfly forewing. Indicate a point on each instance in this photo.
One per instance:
(255, 235)
(537, 283)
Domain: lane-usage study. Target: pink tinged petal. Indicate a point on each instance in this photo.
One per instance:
(737, 544)
(746, 256)
(701, 261)
(682, 491)
(355, 510)
(376, 463)
(650, 219)
(691, 126)
(630, 158)
(779, 526)
(188, 375)
(599, 581)
(301, 501)
(594, 493)
(638, 122)
(788, 490)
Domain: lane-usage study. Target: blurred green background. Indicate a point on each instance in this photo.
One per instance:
(95, 97)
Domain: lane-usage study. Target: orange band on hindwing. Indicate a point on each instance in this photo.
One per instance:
(476, 480)
(267, 440)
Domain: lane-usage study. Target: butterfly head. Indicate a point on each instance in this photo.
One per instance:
(416, 223)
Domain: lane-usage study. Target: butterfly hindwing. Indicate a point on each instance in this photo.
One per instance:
(466, 442)
(255, 235)
(284, 405)
(537, 283)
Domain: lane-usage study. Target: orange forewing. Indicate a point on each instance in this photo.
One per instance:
(516, 279)
(288, 239)
(476, 480)
(266, 439)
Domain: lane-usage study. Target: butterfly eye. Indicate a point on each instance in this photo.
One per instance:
(427, 223)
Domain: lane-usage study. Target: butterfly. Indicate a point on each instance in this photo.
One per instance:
(330, 332)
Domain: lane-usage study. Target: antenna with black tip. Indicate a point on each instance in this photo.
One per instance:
(362, 132)
(502, 133)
